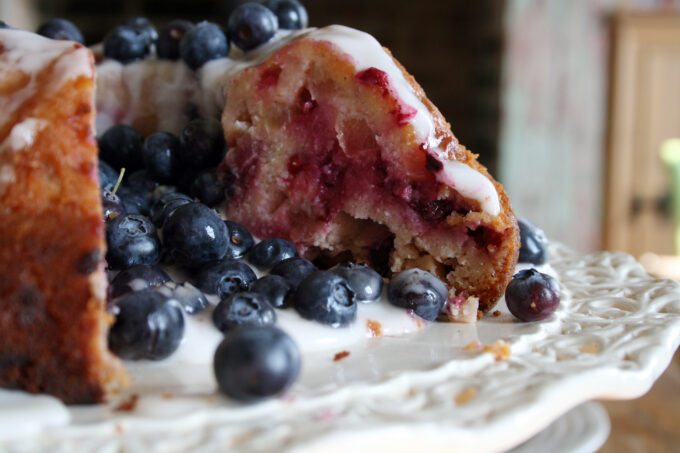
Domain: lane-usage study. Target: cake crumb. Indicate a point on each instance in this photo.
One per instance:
(167, 396)
(374, 328)
(461, 307)
(500, 350)
(590, 348)
(465, 396)
(119, 428)
(340, 355)
(127, 405)
(496, 313)
(474, 346)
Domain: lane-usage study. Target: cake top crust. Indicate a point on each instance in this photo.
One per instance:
(23, 52)
(24, 58)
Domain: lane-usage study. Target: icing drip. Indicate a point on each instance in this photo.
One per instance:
(23, 56)
(29, 53)
(23, 134)
(366, 52)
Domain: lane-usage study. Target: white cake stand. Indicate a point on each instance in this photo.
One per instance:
(612, 337)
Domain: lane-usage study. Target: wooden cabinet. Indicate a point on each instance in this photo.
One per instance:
(644, 111)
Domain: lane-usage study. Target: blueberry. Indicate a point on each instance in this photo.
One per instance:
(145, 29)
(160, 191)
(269, 252)
(254, 363)
(202, 144)
(126, 44)
(534, 248)
(112, 205)
(148, 326)
(167, 210)
(160, 204)
(169, 38)
(137, 278)
(275, 288)
(3, 24)
(121, 146)
(158, 153)
(418, 290)
(189, 297)
(207, 187)
(107, 176)
(225, 278)
(195, 235)
(365, 282)
(251, 25)
(240, 240)
(135, 202)
(131, 239)
(204, 42)
(243, 309)
(532, 296)
(294, 269)
(61, 29)
(140, 181)
(290, 13)
(325, 297)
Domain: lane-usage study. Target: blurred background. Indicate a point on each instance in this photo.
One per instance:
(567, 102)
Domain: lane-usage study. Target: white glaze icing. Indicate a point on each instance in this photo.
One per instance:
(215, 75)
(23, 415)
(470, 184)
(23, 134)
(127, 92)
(24, 55)
(29, 53)
(202, 338)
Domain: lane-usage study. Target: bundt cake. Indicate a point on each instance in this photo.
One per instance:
(53, 321)
(331, 145)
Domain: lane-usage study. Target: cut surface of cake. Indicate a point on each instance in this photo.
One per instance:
(335, 147)
(53, 321)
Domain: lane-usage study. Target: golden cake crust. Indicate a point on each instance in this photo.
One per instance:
(53, 320)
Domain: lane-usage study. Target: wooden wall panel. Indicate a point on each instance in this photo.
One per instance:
(644, 111)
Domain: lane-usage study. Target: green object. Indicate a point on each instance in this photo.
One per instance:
(670, 156)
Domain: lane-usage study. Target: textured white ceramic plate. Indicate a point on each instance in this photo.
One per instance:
(613, 335)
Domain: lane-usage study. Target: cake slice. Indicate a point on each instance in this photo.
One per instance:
(53, 321)
(335, 147)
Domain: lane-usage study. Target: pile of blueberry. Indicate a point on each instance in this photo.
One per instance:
(249, 26)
